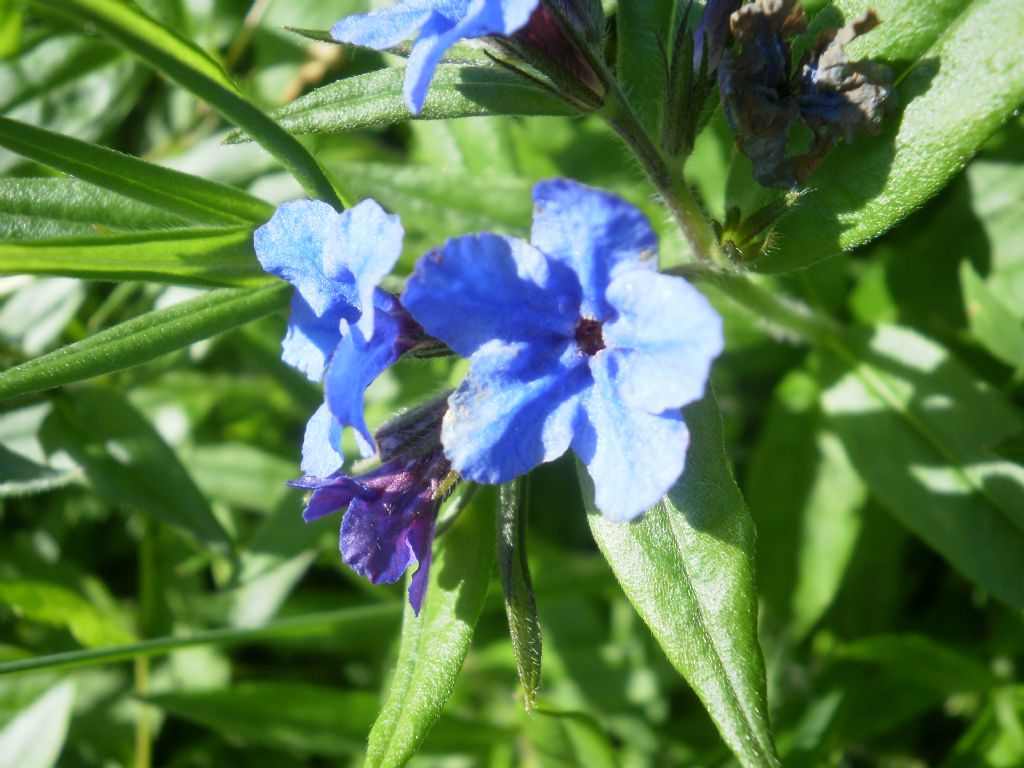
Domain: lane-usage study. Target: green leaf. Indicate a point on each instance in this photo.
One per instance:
(54, 605)
(569, 740)
(374, 100)
(435, 643)
(642, 30)
(193, 69)
(222, 256)
(182, 194)
(11, 18)
(937, 473)
(127, 462)
(687, 566)
(520, 606)
(42, 208)
(956, 95)
(314, 719)
(145, 338)
(80, 87)
(807, 508)
(922, 660)
(35, 738)
(991, 322)
(437, 203)
(20, 476)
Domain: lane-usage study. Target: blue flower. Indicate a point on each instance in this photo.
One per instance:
(440, 24)
(389, 524)
(343, 328)
(574, 340)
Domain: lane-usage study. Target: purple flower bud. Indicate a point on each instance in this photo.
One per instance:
(392, 509)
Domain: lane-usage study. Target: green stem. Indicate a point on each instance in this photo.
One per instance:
(355, 622)
(666, 176)
(147, 608)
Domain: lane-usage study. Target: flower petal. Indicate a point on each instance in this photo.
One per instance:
(452, 21)
(421, 542)
(356, 363)
(478, 288)
(329, 494)
(662, 341)
(321, 445)
(632, 456)
(310, 340)
(597, 235)
(387, 27)
(364, 244)
(291, 246)
(514, 410)
(381, 537)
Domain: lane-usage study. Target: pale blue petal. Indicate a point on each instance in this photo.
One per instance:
(598, 235)
(662, 341)
(291, 246)
(632, 456)
(310, 340)
(500, 17)
(478, 288)
(321, 446)
(450, 23)
(514, 410)
(438, 34)
(364, 244)
(386, 27)
(356, 363)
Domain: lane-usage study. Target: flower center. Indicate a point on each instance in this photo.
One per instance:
(589, 338)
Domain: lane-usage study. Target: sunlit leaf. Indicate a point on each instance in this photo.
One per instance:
(435, 643)
(687, 566)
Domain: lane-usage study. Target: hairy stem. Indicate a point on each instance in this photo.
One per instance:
(666, 176)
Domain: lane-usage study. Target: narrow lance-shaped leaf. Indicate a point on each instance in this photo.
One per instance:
(35, 737)
(435, 643)
(955, 96)
(374, 100)
(216, 257)
(193, 69)
(939, 473)
(520, 606)
(643, 38)
(39, 208)
(127, 462)
(145, 338)
(317, 720)
(687, 566)
(187, 196)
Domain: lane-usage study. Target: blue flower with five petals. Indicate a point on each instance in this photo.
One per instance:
(440, 24)
(574, 339)
(342, 328)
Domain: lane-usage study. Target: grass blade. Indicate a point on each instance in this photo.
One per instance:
(144, 338)
(194, 70)
(190, 197)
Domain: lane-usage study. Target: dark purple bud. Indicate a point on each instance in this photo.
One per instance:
(391, 510)
(713, 27)
(560, 54)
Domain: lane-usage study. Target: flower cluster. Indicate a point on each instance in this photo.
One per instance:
(574, 340)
